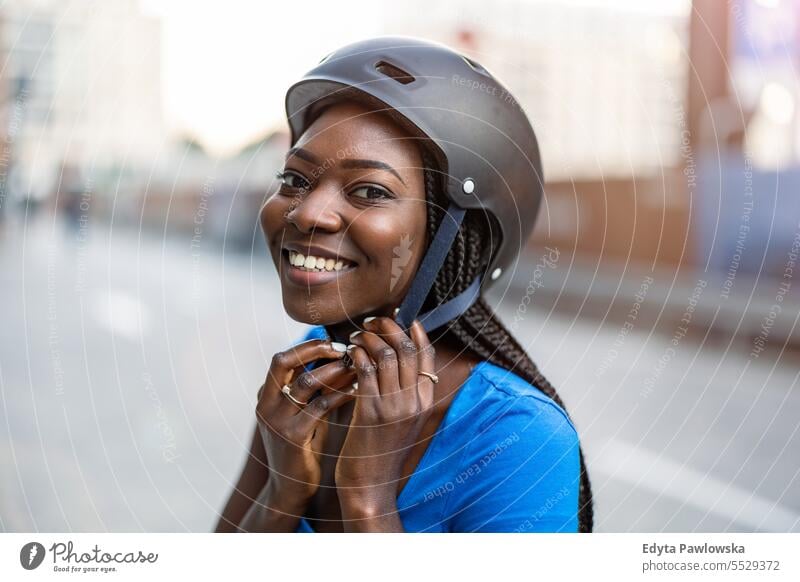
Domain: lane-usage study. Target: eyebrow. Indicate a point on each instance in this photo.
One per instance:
(302, 154)
(371, 164)
(347, 163)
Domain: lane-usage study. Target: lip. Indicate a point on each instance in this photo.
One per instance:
(309, 278)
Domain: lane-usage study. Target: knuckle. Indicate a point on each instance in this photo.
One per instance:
(366, 368)
(408, 347)
(429, 350)
(305, 381)
(279, 360)
(321, 403)
(387, 353)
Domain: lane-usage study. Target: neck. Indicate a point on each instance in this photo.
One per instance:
(340, 332)
(449, 357)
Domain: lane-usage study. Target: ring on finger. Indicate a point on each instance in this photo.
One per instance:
(434, 378)
(287, 390)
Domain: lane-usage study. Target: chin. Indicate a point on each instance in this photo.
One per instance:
(308, 313)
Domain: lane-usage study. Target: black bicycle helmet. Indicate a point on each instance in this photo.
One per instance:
(482, 140)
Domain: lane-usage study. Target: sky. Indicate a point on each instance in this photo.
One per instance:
(227, 63)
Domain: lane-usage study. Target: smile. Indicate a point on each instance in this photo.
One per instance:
(308, 270)
(313, 263)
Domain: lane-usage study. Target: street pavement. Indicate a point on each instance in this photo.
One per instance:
(130, 362)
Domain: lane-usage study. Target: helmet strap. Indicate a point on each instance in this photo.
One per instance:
(448, 311)
(426, 275)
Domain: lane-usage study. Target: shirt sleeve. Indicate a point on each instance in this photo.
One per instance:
(521, 473)
(313, 332)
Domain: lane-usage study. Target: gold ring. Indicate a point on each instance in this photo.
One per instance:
(288, 392)
(432, 376)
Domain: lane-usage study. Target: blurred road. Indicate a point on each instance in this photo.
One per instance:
(129, 367)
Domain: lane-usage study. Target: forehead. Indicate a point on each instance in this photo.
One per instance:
(350, 130)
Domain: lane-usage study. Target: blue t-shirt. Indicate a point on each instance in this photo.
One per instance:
(503, 459)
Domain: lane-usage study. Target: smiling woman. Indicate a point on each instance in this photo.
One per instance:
(355, 213)
(402, 190)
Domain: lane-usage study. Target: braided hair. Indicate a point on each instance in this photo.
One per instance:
(477, 329)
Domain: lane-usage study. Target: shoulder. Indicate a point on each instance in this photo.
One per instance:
(508, 398)
(520, 470)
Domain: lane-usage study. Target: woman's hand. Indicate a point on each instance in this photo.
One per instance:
(293, 434)
(394, 402)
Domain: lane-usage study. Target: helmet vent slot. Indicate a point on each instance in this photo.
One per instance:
(393, 72)
(475, 66)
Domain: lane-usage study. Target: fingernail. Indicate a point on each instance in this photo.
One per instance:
(396, 311)
(368, 319)
(350, 348)
(339, 347)
(353, 388)
(354, 334)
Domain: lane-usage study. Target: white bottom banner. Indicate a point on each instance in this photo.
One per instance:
(410, 557)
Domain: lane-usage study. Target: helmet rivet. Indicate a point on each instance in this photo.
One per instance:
(496, 273)
(468, 186)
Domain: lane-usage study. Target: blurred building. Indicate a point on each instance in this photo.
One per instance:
(81, 85)
(208, 198)
(600, 82)
(654, 120)
(605, 86)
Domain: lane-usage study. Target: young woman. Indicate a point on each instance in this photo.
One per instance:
(412, 183)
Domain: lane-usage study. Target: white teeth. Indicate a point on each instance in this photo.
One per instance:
(315, 263)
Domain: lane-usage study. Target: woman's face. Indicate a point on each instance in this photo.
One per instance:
(347, 228)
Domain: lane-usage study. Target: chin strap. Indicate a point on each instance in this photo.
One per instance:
(426, 275)
(445, 312)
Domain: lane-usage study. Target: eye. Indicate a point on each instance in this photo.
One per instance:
(293, 180)
(369, 192)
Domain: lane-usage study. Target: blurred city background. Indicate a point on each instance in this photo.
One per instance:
(139, 308)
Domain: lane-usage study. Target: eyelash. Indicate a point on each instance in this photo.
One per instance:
(282, 176)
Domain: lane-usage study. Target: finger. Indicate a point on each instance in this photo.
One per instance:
(284, 364)
(331, 376)
(366, 374)
(385, 359)
(426, 361)
(404, 347)
(321, 406)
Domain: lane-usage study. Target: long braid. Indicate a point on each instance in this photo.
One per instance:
(477, 329)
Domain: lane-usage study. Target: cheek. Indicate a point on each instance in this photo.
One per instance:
(394, 242)
(272, 214)
(384, 238)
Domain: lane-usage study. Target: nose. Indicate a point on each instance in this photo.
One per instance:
(317, 210)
